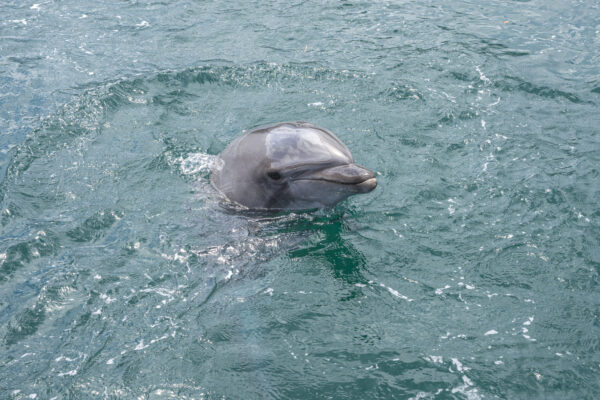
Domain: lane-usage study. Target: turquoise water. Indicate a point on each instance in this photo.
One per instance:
(471, 272)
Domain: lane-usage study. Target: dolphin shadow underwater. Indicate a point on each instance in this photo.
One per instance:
(289, 166)
(321, 238)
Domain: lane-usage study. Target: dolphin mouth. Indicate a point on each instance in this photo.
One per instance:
(366, 185)
(352, 176)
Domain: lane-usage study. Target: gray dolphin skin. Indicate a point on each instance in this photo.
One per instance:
(289, 166)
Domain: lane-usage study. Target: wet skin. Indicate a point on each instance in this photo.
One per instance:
(289, 166)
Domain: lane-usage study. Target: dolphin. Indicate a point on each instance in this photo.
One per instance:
(289, 166)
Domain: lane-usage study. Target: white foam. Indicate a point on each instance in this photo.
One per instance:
(441, 290)
(420, 395)
(137, 100)
(435, 359)
(63, 358)
(69, 373)
(195, 163)
(107, 299)
(177, 257)
(482, 76)
(396, 293)
(163, 337)
(458, 365)
(467, 390)
(140, 345)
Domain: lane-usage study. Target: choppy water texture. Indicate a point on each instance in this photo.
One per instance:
(471, 272)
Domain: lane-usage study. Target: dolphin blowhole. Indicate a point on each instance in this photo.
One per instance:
(289, 166)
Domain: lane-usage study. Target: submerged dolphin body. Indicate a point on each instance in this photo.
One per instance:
(289, 166)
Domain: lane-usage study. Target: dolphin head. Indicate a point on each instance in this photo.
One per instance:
(291, 165)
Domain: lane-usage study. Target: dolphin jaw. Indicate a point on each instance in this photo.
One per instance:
(367, 185)
(351, 176)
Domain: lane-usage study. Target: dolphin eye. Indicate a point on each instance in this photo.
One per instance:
(274, 175)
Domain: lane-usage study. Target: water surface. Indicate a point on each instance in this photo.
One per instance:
(471, 272)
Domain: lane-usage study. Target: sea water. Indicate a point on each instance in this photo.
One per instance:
(471, 272)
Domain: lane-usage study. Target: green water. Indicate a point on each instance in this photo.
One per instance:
(471, 272)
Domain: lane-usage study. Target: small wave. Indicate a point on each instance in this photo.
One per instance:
(195, 163)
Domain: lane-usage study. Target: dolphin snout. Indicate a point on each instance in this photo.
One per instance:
(352, 175)
(348, 174)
